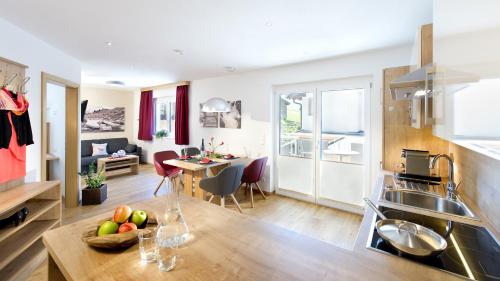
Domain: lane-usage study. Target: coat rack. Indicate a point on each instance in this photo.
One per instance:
(12, 74)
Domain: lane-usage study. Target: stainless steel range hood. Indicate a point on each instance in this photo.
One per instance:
(415, 83)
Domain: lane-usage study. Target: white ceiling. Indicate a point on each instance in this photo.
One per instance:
(244, 34)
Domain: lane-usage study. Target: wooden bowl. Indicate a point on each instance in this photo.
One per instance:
(119, 240)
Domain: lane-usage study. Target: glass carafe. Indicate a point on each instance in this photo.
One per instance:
(171, 224)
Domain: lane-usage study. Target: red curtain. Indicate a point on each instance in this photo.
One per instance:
(182, 115)
(146, 116)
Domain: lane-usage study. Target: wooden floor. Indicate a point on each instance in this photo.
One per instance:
(330, 225)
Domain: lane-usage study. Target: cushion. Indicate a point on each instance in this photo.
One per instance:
(116, 144)
(99, 149)
(130, 148)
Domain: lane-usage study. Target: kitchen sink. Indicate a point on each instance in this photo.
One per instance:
(427, 201)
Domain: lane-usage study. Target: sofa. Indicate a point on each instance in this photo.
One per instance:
(113, 146)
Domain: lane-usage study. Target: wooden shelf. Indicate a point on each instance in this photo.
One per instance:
(37, 207)
(15, 245)
(21, 247)
(115, 166)
(21, 267)
(13, 197)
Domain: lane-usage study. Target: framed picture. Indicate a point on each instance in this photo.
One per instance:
(101, 120)
(209, 119)
(231, 119)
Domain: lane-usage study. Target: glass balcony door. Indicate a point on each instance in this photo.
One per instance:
(296, 137)
(323, 142)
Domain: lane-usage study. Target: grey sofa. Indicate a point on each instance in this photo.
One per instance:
(113, 146)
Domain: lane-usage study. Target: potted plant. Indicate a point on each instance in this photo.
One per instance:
(96, 190)
(161, 134)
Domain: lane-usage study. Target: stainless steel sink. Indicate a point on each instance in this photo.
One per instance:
(427, 201)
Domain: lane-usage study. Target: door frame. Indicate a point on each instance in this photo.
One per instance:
(316, 87)
(72, 155)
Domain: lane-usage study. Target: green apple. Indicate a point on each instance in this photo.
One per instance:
(139, 217)
(107, 227)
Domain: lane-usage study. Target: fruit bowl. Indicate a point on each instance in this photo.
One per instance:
(119, 240)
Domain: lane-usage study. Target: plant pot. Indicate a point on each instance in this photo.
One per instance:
(94, 196)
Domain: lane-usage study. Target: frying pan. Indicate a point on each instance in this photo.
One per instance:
(408, 237)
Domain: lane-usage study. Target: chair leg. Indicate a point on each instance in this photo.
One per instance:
(222, 202)
(246, 189)
(251, 195)
(236, 202)
(158, 188)
(261, 192)
(211, 198)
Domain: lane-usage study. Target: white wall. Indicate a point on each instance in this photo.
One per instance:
(56, 117)
(109, 98)
(255, 90)
(24, 48)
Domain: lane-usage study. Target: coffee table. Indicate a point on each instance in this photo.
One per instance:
(119, 166)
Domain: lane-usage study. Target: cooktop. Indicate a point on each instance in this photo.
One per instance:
(472, 251)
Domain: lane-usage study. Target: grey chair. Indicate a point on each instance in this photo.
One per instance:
(225, 183)
(190, 151)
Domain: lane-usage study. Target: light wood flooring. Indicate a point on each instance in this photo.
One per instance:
(330, 225)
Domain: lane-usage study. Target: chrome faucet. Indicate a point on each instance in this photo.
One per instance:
(450, 186)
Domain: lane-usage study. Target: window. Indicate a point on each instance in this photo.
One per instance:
(296, 125)
(164, 108)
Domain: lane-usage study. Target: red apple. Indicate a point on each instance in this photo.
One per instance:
(126, 227)
(122, 213)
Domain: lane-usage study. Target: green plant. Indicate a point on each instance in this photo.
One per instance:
(161, 134)
(93, 178)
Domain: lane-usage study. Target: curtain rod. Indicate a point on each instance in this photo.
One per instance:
(163, 86)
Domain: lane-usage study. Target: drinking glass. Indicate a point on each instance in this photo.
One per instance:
(167, 243)
(147, 247)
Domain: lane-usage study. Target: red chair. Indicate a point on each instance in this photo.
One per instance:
(164, 170)
(252, 174)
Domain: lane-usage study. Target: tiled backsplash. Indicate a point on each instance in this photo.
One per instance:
(480, 176)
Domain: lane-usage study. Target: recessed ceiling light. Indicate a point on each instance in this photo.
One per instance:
(269, 24)
(115, 83)
(229, 68)
(179, 52)
(109, 43)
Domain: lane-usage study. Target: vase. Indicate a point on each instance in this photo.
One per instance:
(171, 224)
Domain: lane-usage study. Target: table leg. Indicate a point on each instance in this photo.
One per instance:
(54, 273)
(188, 182)
(197, 177)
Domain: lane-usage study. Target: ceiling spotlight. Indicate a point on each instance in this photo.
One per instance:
(179, 52)
(109, 43)
(115, 83)
(229, 69)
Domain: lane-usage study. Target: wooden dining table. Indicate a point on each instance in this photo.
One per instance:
(194, 172)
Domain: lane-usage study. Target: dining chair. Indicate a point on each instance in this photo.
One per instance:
(190, 151)
(165, 170)
(252, 174)
(225, 183)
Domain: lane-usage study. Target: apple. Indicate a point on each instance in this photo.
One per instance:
(107, 227)
(122, 213)
(126, 227)
(140, 218)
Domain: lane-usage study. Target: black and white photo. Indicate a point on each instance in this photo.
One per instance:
(231, 119)
(99, 120)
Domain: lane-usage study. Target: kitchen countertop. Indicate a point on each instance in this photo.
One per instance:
(360, 246)
(227, 246)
